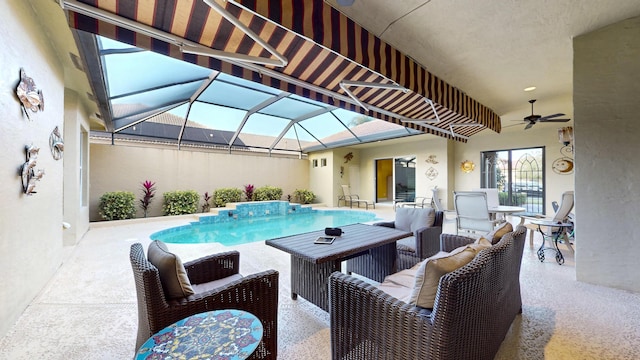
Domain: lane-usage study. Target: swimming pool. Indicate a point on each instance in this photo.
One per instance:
(230, 228)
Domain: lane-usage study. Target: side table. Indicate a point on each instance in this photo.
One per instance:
(219, 334)
(562, 227)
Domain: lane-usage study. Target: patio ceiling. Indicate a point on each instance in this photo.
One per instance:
(305, 50)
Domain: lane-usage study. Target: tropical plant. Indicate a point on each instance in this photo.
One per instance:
(148, 191)
(206, 206)
(117, 205)
(267, 192)
(304, 196)
(248, 192)
(180, 202)
(226, 195)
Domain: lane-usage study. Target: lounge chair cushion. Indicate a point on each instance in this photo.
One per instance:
(412, 219)
(173, 275)
(499, 232)
(429, 271)
(400, 284)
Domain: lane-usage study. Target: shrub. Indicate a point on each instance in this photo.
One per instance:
(518, 198)
(304, 196)
(226, 195)
(266, 193)
(117, 205)
(180, 202)
(206, 206)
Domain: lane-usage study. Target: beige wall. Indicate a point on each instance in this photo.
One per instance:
(31, 245)
(124, 168)
(607, 108)
(449, 154)
(541, 135)
(76, 211)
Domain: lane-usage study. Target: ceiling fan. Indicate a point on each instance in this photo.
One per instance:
(533, 118)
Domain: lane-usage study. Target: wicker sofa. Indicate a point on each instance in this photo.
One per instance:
(473, 310)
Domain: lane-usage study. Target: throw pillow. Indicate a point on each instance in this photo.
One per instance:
(499, 232)
(430, 270)
(412, 219)
(173, 276)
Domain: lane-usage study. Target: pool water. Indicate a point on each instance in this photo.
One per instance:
(247, 230)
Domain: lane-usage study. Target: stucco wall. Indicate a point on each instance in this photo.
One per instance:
(541, 135)
(30, 226)
(607, 108)
(76, 211)
(124, 168)
(421, 146)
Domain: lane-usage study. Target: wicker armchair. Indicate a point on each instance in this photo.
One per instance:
(474, 308)
(256, 293)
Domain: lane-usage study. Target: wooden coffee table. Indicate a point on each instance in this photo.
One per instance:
(311, 264)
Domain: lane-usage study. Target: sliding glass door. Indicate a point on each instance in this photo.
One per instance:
(396, 179)
(519, 176)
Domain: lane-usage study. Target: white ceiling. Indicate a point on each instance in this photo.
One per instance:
(493, 49)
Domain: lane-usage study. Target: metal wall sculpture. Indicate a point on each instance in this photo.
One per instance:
(30, 97)
(27, 170)
(56, 145)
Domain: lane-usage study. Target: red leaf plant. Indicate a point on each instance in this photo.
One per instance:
(148, 191)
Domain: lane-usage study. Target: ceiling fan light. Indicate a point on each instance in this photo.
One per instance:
(565, 135)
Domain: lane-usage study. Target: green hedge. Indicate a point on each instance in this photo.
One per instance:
(304, 196)
(117, 205)
(266, 193)
(180, 202)
(226, 195)
(518, 198)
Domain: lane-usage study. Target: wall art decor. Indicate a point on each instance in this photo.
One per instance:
(56, 145)
(563, 166)
(467, 166)
(27, 170)
(431, 173)
(348, 157)
(30, 97)
(431, 159)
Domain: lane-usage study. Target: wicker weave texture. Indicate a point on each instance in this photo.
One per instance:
(474, 308)
(256, 293)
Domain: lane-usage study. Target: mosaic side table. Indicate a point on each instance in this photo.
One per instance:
(219, 334)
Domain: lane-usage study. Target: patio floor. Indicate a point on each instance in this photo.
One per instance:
(88, 309)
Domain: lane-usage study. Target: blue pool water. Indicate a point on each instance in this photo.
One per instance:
(236, 229)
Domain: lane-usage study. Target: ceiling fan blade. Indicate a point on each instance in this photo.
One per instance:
(553, 116)
(529, 125)
(553, 120)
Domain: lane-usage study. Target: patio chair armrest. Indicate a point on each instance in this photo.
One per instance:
(385, 318)
(450, 242)
(428, 241)
(213, 267)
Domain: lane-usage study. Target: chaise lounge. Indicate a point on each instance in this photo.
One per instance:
(472, 309)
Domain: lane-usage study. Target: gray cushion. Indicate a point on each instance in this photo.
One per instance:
(407, 244)
(412, 219)
(173, 276)
(204, 287)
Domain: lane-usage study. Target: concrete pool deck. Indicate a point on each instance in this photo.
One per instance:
(89, 307)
